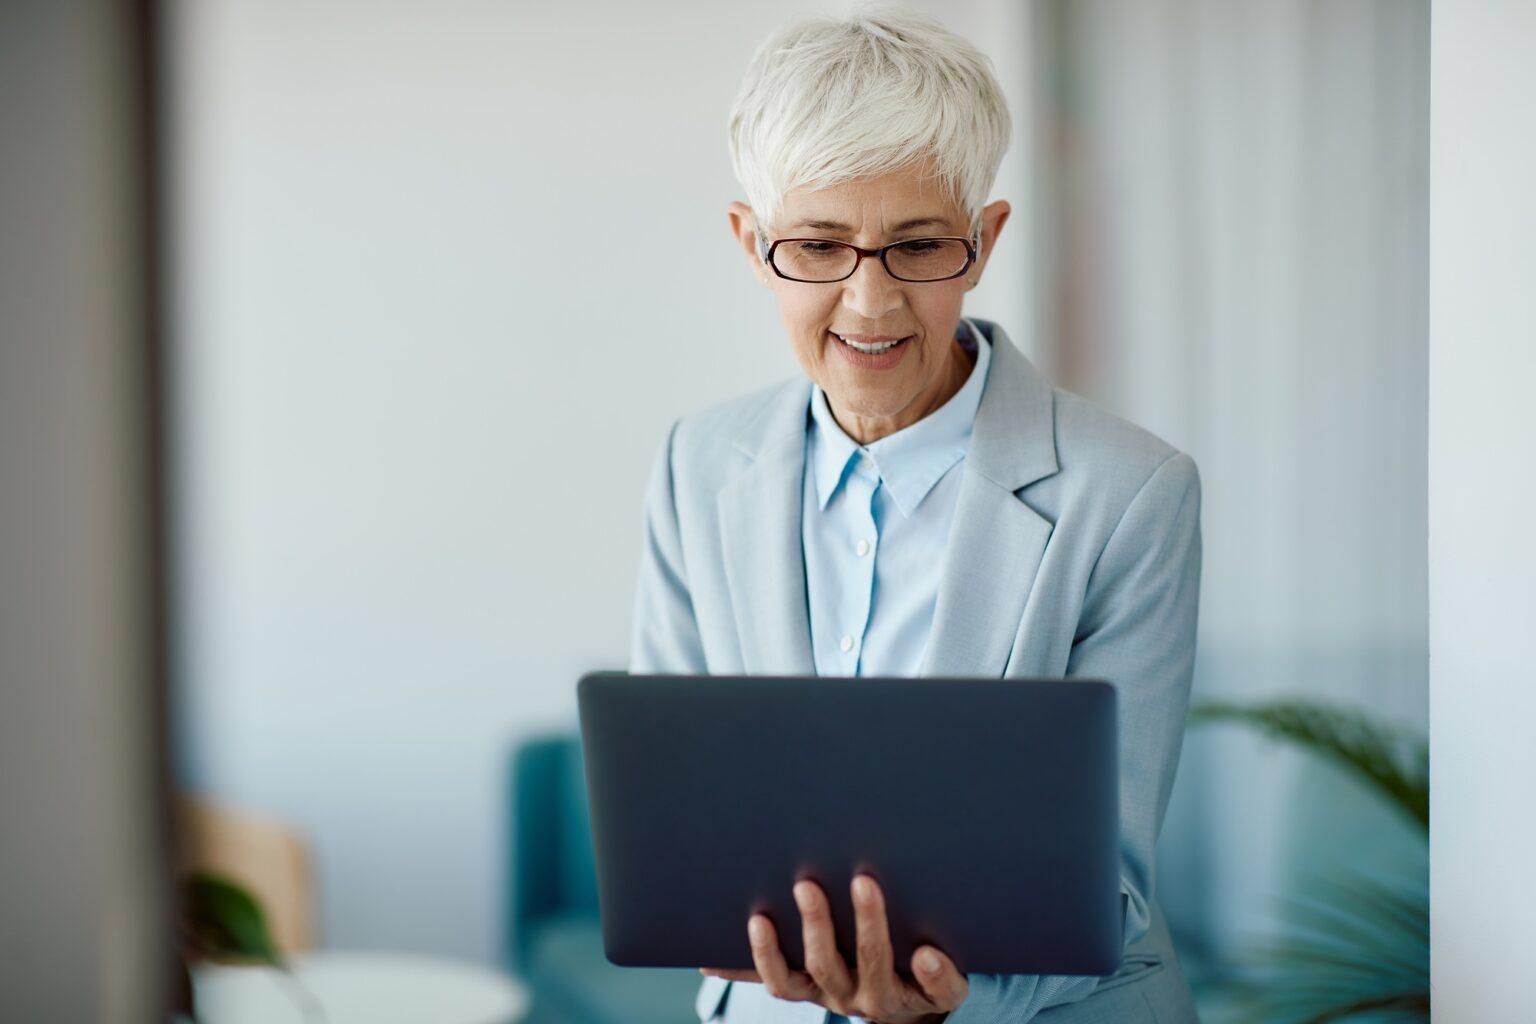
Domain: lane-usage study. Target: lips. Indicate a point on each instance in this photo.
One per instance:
(885, 357)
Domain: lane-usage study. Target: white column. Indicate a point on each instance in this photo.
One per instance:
(1482, 491)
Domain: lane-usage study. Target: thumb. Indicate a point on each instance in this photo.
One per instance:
(940, 980)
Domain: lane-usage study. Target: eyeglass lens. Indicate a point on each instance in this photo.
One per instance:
(921, 259)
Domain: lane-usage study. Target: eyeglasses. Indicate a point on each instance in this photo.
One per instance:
(823, 260)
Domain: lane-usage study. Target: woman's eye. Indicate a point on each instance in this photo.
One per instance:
(919, 247)
(816, 248)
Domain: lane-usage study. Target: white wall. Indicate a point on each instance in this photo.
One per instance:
(446, 272)
(1482, 488)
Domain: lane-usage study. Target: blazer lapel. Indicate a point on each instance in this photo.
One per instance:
(994, 549)
(996, 541)
(760, 534)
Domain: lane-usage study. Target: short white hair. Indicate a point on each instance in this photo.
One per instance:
(826, 100)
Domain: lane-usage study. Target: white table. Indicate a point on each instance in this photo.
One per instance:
(359, 988)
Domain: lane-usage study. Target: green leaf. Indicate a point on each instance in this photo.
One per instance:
(1353, 947)
(1394, 761)
(222, 918)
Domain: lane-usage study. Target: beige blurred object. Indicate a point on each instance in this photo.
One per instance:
(267, 856)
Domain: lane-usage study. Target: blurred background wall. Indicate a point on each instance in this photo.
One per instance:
(447, 271)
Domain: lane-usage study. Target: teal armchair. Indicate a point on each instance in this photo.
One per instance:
(553, 938)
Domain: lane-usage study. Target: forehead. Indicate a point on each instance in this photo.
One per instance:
(881, 203)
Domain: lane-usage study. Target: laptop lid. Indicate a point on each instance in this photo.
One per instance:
(987, 809)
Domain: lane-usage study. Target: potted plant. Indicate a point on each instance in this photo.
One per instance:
(221, 921)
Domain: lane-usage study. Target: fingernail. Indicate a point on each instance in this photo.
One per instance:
(863, 889)
(803, 896)
(927, 962)
(757, 929)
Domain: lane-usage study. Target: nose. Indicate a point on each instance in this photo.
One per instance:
(872, 293)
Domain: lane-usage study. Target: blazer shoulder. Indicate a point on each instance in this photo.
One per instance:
(1094, 444)
(704, 441)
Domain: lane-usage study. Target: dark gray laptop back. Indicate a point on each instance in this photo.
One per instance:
(986, 808)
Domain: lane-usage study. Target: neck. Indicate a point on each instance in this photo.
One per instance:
(868, 431)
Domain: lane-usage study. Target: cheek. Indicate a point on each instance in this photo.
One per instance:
(806, 313)
(939, 303)
(938, 309)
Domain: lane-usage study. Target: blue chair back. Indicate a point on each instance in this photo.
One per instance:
(553, 875)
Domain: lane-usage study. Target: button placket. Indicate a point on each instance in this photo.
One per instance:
(853, 642)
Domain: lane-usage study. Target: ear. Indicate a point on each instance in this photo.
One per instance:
(744, 228)
(993, 216)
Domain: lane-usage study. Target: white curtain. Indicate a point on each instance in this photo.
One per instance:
(1235, 220)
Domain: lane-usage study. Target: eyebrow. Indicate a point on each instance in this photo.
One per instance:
(906, 225)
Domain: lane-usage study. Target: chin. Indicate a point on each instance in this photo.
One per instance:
(866, 403)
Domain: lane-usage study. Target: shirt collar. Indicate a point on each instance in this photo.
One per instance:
(913, 459)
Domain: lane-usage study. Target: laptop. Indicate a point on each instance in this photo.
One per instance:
(987, 809)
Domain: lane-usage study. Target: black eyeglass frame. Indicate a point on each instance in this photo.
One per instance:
(970, 257)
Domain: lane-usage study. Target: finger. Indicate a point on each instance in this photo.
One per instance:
(939, 978)
(778, 979)
(878, 984)
(823, 962)
(730, 974)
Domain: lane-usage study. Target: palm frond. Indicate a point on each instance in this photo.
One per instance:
(1349, 947)
(1394, 761)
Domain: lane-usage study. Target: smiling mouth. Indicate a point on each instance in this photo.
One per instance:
(884, 346)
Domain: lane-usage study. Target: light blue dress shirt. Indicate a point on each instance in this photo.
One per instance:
(874, 526)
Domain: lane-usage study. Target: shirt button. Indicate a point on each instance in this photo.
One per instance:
(846, 643)
(863, 547)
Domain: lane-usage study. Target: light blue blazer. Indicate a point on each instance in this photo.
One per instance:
(1075, 551)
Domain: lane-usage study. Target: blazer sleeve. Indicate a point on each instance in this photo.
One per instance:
(665, 634)
(1137, 631)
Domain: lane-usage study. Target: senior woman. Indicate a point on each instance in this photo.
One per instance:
(921, 503)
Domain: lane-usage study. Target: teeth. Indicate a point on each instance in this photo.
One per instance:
(871, 349)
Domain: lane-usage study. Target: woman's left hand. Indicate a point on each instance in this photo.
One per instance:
(872, 990)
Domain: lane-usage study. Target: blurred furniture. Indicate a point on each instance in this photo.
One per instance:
(267, 856)
(358, 988)
(554, 939)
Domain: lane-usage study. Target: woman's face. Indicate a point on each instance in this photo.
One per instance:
(872, 397)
